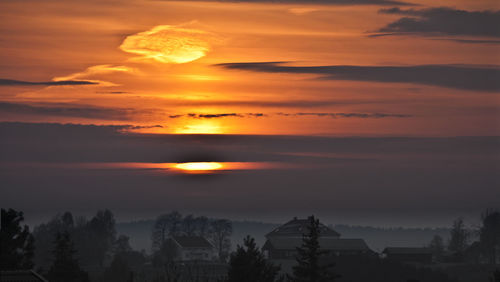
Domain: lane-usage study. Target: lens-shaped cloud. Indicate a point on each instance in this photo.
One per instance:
(169, 44)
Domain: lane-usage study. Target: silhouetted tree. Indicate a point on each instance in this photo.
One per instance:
(495, 276)
(124, 252)
(310, 268)
(102, 234)
(247, 264)
(221, 230)
(437, 247)
(122, 245)
(165, 225)
(202, 226)
(489, 235)
(188, 225)
(459, 237)
(118, 271)
(16, 242)
(65, 267)
(45, 234)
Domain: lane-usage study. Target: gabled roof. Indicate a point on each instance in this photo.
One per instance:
(192, 242)
(20, 276)
(298, 227)
(331, 244)
(406, 251)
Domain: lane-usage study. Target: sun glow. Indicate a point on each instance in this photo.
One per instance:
(200, 127)
(199, 166)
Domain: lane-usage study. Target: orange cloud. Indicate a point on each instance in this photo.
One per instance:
(169, 44)
(96, 70)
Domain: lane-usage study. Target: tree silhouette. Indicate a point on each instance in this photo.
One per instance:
(17, 244)
(65, 267)
(248, 264)
(489, 235)
(436, 245)
(310, 268)
(221, 230)
(165, 225)
(459, 237)
(496, 276)
(103, 234)
(118, 271)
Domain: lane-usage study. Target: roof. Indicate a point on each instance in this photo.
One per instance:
(192, 242)
(298, 227)
(20, 276)
(324, 243)
(406, 251)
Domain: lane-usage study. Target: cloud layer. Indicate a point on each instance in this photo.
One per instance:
(67, 110)
(11, 82)
(466, 77)
(319, 2)
(443, 21)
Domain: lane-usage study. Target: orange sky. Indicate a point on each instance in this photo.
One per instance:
(155, 63)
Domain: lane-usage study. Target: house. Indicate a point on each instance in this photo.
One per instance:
(283, 241)
(191, 248)
(281, 245)
(286, 248)
(413, 255)
(21, 276)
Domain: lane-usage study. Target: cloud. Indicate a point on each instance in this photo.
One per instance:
(223, 115)
(169, 44)
(472, 41)
(97, 70)
(11, 82)
(392, 173)
(465, 77)
(331, 115)
(69, 110)
(319, 2)
(349, 115)
(443, 21)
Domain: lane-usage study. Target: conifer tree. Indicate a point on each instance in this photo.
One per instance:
(248, 264)
(310, 266)
(65, 267)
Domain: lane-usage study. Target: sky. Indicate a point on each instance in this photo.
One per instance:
(324, 105)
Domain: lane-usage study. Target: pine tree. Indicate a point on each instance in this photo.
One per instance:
(310, 267)
(65, 267)
(16, 242)
(248, 264)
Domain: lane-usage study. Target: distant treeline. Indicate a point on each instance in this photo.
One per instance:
(376, 237)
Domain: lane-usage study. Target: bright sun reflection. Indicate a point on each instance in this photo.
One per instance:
(199, 166)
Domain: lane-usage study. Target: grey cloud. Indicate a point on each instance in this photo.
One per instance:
(67, 110)
(222, 115)
(349, 115)
(392, 173)
(11, 82)
(323, 2)
(443, 21)
(331, 115)
(465, 77)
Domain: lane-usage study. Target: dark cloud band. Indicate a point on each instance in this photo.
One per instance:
(11, 82)
(318, 2)
(443, 21)
(465, 77)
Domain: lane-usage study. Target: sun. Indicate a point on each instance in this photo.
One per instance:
(199, 166)
(200, 127)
